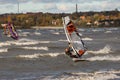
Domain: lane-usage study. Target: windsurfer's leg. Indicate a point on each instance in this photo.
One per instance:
(67, 51)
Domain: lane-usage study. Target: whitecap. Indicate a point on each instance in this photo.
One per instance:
(37, 55)
(105, 50)
(87, 39)
(29, 56)
(37, 33)
(108, 32)
(24, 33)
(3, 50)
(4, 44)
(36, 48)
(23, 41)
(57, 33)
(63, 40)
(95, 30)
(45, 41)
(98, 75)
(107, 58)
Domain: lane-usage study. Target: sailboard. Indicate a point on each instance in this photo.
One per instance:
(13, 32)
(74, 38)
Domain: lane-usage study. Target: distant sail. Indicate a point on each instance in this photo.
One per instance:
(13, 31)
(73, 37)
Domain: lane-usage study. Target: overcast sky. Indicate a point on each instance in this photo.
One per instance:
(57, 6)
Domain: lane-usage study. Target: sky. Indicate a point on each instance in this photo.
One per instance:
(57, 6)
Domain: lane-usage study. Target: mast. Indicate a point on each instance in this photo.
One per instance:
(18, 6)
(76, 9)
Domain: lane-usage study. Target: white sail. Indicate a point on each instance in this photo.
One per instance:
(73, 37)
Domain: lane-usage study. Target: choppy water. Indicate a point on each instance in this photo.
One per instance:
(39, 55)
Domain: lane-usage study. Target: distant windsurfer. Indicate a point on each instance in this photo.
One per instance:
(9, 30)
(6, 30)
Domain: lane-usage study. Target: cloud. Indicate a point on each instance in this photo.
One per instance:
(13, 1)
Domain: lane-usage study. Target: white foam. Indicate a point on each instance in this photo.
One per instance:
(87, 39)
(37, 33)
(30, 40)
(99, 75)
(63, 40)
(22, 41)
(57, 33)
(25, 39)
(37, 55)
(95, 30)
(24, 33)
(29, 56)
(112, 29)
(36, 48)
(54, 54)
(45, 41)
(25, 43)
(105, 50)
(81, 29)
(102, 58)
(108, 32)
(4, 44)
(3, 50)
(106, 75)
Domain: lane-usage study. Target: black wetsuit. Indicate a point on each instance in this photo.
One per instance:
(69, 53)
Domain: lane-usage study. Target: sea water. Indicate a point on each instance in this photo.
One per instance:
(38, 54)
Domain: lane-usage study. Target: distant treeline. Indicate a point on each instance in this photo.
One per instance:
(81, 19)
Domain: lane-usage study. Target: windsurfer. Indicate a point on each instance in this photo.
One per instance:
(69, 51)
(6, 30)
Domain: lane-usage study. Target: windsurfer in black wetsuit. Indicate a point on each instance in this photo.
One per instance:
(69, 52)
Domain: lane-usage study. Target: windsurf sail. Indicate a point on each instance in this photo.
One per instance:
(73, 37)
(12, 31)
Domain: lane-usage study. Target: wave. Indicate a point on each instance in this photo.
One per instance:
(24, 34)
(112, 29)
(3, 50)
(88, 39)
(37, 33)
(97, 30)
(105, 50)
(33, 56)
(36, 48)
(4, 44)
(81, 29)
(57, 33)
(19, 43)
(63, 40)
(99, 75)
(103, 58)
(22, 41)
(108, 32)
